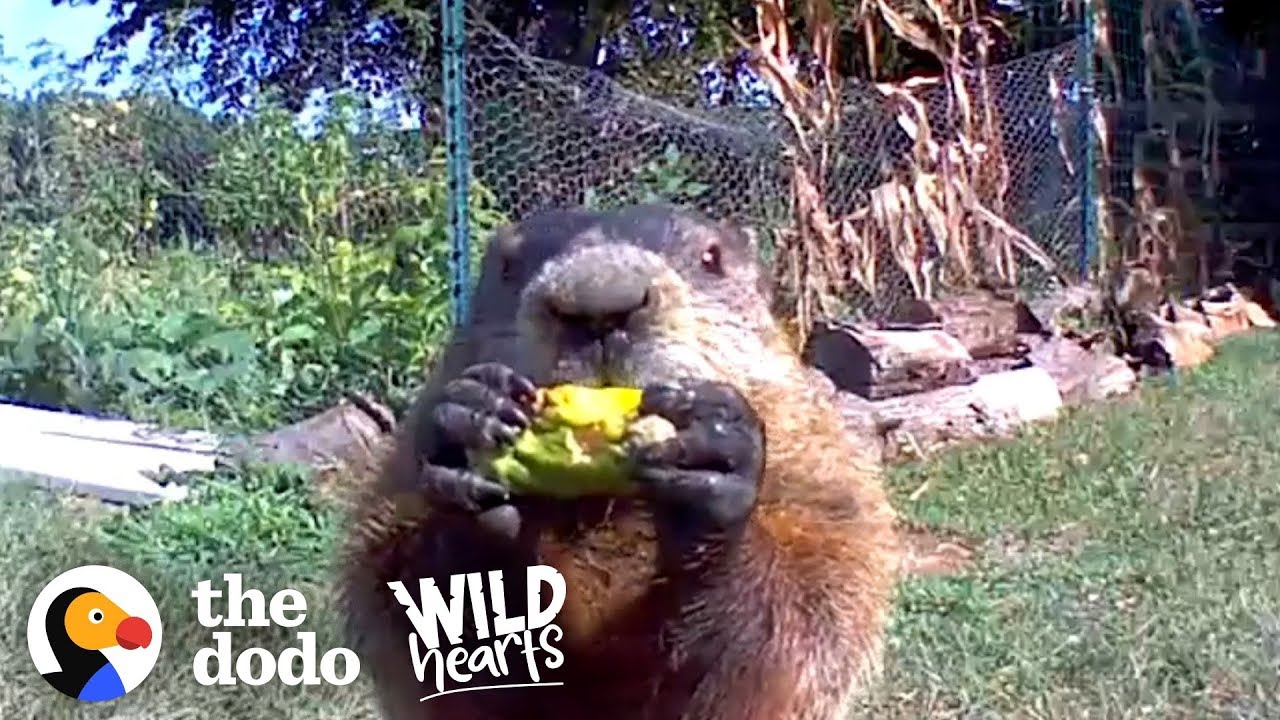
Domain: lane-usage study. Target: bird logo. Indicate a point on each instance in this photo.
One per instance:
(94, 633)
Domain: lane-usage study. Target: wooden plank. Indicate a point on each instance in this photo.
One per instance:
(87, 427)
(109, 459)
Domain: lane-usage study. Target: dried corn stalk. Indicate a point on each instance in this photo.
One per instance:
(954, 191)
(1162, 225)
(940, 215)
(809, 256)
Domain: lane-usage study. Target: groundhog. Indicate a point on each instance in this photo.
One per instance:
(750, 577)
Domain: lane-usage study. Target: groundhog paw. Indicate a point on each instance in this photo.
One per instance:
(707, 476)
(485, 408)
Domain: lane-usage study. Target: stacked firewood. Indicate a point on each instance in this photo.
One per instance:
(982, 364)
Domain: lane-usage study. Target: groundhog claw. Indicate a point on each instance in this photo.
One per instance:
(485, 408)
(462, 489)
(709, 473)
(504, 380)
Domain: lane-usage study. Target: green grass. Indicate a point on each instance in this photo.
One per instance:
(262, 524)
(1128, 566)
(1129, 561)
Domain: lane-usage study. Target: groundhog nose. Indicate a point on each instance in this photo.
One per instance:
(602, 306)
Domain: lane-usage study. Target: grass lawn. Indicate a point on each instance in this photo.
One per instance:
(1127, 565)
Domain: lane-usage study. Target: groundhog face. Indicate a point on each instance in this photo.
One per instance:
(643, 296)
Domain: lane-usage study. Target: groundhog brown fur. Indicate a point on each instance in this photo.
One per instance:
(751, 577)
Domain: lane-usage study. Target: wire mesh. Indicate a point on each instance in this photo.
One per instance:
(250, 268)
(162, 264)
(544, 134)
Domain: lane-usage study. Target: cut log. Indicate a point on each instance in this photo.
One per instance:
(878, 364)
(1228, 312)
(860, 421)
(986, 324)
(1258, 315)
(994, 406)
(1261, 292)
(987, 366)
(1162, 344)
(1226, 319)
(1181, 312)
(343, 445)
(1067, 310)
(1083, 376)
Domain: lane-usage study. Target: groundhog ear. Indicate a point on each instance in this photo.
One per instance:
(506, 242)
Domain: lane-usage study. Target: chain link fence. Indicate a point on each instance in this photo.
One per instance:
(544, 134)
(247, 269)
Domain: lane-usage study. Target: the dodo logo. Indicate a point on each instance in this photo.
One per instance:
(94, 633)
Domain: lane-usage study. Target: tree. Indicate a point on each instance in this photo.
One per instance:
(392, 46)
(379, 46)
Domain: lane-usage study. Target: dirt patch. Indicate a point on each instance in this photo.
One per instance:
(1011, 550)
(929, 553)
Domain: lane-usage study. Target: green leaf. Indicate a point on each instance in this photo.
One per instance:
(152, 366)
(173, 327)
(298, 333)
(232, 343)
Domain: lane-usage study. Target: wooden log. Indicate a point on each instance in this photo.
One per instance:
(1228, 312)
(1162, 344)
(343, 433)
(987, 366)
(860, 421)
(1258, 316)
(1083, 376)
(1069, 309)
(994, 406)
(1261, 292)
(343, 445)
(1183, 312)
(878, 364)
(986, 324)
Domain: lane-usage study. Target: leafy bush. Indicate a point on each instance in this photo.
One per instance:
(328, 271)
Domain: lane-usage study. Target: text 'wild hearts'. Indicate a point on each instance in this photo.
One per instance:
(486, 651)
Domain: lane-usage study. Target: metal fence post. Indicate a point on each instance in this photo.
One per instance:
(1088, 101)
(459, 167)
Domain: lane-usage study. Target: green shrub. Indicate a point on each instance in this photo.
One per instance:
(329, 272)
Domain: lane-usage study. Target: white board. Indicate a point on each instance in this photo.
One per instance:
(100, 457)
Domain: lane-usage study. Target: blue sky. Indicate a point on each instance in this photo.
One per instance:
(72, 28)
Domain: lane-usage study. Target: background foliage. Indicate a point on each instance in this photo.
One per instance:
(240, 271)
(195, 250)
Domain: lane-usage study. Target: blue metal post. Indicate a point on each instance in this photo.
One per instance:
(1088, 100)
(459, 165)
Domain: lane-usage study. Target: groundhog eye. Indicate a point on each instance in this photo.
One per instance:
(95, 616)
(711, 260)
